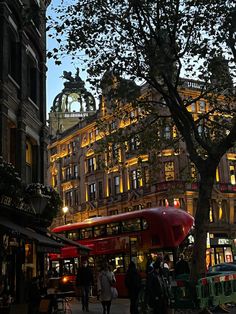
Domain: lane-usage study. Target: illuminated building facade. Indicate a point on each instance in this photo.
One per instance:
(129, 182)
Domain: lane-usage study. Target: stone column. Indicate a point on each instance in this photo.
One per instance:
(231, 211)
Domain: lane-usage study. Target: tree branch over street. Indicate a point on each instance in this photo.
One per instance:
(158, 42)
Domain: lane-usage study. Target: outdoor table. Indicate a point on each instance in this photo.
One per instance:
(59, 300)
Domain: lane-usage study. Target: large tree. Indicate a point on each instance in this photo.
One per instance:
(158, 42)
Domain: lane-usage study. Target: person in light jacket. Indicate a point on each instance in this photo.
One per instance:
(106, 279)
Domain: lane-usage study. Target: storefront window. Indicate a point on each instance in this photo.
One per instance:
(232, 174)
(228, 254)
(28, 253)
(219, 254)
(169, 171)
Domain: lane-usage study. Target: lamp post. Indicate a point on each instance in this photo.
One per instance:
(38, 200)
(65, 210)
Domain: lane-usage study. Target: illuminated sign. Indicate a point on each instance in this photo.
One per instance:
(220, 241)
(224, 241)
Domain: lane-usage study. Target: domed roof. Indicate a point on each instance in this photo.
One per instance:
(74, 97)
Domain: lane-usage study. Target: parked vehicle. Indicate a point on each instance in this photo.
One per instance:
(223, 267)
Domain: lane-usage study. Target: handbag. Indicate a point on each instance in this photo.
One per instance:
(114, 293)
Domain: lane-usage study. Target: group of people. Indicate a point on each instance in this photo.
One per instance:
(105, 281)
(157, 284)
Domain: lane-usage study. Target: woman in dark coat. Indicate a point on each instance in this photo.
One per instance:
(133, 284)
(157, 290)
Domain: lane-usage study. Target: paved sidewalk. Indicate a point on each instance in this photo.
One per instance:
(120, 306)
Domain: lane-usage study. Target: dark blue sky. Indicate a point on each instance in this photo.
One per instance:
(54, 73)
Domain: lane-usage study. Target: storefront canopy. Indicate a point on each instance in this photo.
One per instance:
(46, 244)
(69, 242)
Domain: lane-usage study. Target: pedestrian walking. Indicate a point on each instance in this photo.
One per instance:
(149, 265)
(157, 290)
(84, 280)
(166, 267)
(133, 284)
(106, 280)
(181, 267)
(34, 296)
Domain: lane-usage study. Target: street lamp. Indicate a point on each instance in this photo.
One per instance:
(65, 210)
(38, 200)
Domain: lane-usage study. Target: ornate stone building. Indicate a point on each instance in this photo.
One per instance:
(22, 87)
(128, 182)
(23, 139)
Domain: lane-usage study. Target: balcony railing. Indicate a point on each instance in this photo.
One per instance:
(70, 178)
(166, 185)
(226, 187)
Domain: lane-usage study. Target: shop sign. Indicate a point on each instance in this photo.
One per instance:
(220, 241)
(15, 204)
(76, 115)
(224, 241)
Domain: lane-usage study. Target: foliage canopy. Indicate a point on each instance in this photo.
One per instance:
(158, 42)
(11, 185)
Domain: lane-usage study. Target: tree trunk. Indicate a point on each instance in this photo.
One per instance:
(198, 264)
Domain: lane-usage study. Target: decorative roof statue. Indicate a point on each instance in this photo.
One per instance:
(68, 76)
(74, 92)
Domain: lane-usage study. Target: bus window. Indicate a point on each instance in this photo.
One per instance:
(144, 224)
(131, 225)
(116, 262)
(86, 233)
(99, 231)
(72, 235)
(68, 267)
(113, 228)
(119, 265)
(178, 231)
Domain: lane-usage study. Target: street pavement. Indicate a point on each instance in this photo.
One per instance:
(121, 306)
(118, 306)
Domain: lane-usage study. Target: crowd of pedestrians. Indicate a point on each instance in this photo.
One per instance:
(157, 286)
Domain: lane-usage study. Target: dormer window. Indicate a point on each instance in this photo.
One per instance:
(202, 106)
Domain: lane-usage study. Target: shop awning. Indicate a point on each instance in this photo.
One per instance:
(46, 243)
(68, 242)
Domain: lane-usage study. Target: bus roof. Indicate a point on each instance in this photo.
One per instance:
(170, 214)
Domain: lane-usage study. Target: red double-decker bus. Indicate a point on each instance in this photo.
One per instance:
(120, 238)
